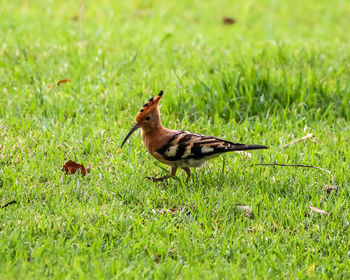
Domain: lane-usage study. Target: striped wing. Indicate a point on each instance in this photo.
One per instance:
(185, 145)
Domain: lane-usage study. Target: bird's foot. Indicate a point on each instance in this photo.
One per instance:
(160, 179)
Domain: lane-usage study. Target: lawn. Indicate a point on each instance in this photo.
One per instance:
(278, 73)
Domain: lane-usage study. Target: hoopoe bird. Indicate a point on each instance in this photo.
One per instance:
(178, 149)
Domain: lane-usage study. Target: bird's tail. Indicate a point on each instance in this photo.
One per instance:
(243, 147)
(256, 147)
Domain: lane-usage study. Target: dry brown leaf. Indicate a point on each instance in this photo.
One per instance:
(246, 209)
(72, 167)
(329, 189)
(64, 81)
(320, 211)
(228, 20)
(309, 136)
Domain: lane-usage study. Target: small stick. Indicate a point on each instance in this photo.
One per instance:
(310, 135)
(8, 204)
(294, 165)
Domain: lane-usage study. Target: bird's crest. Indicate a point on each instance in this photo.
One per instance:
(151, 104)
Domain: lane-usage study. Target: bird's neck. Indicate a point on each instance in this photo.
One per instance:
(156, 137)
(152, 129)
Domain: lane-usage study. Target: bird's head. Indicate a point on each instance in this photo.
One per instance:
(148, 117)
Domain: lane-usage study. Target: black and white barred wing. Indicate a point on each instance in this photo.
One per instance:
(185, 145)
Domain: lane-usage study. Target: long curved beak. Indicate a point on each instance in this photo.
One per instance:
(136, 126)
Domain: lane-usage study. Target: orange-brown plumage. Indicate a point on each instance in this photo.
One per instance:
(178, 149)
(150, 107)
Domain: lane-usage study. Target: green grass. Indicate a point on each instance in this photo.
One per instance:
(279, 73)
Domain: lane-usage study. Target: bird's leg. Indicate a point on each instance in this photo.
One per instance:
(161, 179)
(188, 172)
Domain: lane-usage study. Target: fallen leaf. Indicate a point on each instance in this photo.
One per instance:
(228, 20)
(64, 81)
(320, 211)
(72, 167)
(329, 189)
(247, 210)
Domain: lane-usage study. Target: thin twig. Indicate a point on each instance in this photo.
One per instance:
(8, 204)
(293, 165)
(310, 135)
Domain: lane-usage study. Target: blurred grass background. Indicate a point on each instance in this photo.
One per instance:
(279, 72)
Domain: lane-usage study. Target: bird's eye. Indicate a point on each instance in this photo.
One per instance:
(148, 118)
